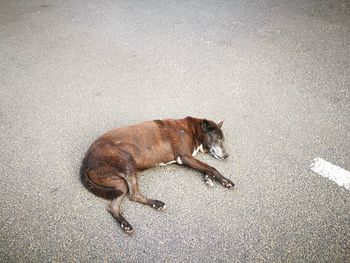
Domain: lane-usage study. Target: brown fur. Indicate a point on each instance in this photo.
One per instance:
(110, 166)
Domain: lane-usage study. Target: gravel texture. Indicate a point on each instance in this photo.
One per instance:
(276, 72)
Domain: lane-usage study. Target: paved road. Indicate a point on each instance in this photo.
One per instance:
(278, 74)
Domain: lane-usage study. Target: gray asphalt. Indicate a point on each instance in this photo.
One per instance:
(277, 73)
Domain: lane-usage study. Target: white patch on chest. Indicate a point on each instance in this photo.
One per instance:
(199, 148)
(178, 159)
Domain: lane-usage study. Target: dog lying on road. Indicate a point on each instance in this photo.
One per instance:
(109, 168)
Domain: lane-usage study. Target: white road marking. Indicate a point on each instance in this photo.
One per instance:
(331, 171)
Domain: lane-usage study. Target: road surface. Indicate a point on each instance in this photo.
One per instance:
(276, 72)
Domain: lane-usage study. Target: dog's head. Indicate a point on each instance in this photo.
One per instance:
(213, 139)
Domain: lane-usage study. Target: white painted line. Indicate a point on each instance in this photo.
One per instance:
(331, 171)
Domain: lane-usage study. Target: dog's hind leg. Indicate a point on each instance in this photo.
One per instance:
(114, 206)
(125, 167)
(104, 183)
(136, 195)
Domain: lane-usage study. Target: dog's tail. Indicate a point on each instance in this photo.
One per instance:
(108, 193)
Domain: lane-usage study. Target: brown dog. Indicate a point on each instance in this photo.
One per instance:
(110, 166)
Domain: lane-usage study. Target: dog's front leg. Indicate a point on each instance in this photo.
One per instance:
(192, 162)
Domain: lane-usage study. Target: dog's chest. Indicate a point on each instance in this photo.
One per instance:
(199, 148)
(178, 160)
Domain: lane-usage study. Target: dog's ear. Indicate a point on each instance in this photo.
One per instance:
(220, 124)
(206, 126)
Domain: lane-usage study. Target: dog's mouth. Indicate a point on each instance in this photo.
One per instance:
(214, 154)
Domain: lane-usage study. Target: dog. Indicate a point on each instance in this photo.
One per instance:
(110, 166)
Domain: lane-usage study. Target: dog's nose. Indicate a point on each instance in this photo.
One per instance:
(225, 156)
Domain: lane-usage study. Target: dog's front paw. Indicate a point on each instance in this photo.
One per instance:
(227, 183)
(159, 205)
(208, 180)
(126, 227)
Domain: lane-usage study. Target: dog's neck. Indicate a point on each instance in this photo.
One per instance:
(195, 125)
